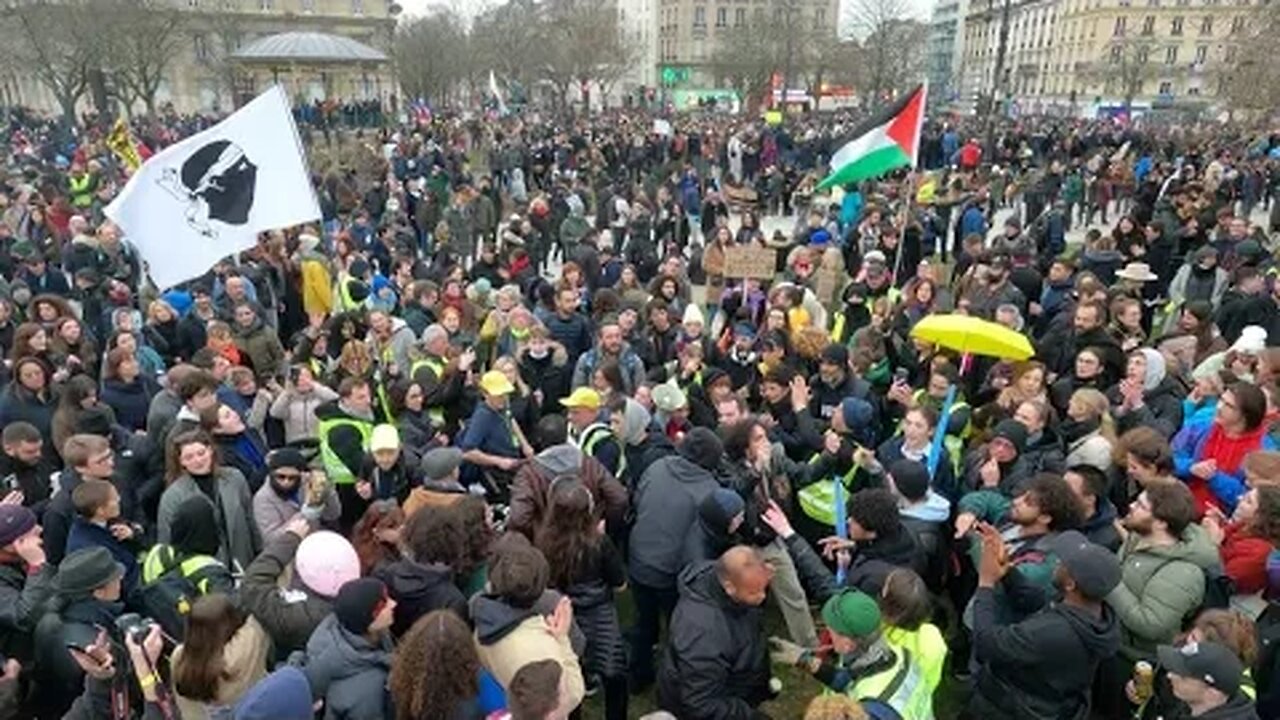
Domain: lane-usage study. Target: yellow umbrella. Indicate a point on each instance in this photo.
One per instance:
(975, 336)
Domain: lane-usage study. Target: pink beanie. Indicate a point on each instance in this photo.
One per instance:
(325, 562)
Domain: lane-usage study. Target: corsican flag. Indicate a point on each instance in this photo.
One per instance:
(209, 196)
(886, 142)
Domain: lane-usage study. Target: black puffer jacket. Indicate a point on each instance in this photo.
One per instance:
(1161, 408)
(716, 663)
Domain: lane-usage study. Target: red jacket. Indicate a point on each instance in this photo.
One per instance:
(1244, 558)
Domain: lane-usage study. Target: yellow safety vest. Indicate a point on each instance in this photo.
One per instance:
(81, 193)
(901, 686)
(334, 467)
(160, 559)
(437, 368)
(593, 436)
(817, 500)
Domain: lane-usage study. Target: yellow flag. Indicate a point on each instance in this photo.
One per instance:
(121, 143)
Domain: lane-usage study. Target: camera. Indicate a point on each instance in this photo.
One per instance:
(133, 625)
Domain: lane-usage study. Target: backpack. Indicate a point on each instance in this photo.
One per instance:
(170, 585)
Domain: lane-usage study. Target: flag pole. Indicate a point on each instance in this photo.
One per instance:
(902, 231)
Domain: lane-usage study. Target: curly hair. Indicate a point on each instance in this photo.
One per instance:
(876, 510)
(472, 516)
(567, 535)
(1266, 521)
(835, 707)
(432, 535)
(1054, 497)
(435, 668)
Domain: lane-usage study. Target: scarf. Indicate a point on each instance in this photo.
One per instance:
(1073, 430)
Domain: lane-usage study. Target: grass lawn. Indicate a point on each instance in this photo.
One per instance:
(798, 688)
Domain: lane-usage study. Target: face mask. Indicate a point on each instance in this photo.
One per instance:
(539, 353)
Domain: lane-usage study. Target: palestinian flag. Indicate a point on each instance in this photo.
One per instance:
(886, 142)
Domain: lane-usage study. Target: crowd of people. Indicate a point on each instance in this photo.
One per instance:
(418, 459)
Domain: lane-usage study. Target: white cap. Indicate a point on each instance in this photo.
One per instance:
(1252, 340)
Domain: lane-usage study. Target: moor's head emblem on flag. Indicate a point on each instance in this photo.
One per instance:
(216, 182)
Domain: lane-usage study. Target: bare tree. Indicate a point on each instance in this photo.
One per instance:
(431, 53)
(55, 42)
(141, 39)
(1245, 71)
(1125, 68)
(745, 58)
(891, 40)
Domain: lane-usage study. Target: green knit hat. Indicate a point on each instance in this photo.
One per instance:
(852, 613)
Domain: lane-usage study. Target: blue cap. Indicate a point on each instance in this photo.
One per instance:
(744, 330)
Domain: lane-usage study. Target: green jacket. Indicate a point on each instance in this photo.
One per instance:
(1028, 586)
(1159, 586)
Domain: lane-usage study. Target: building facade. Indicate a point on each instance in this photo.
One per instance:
(945, 50)
(1165, 53)
(1083, 57)
(1032, 28)
(200, 78)
(638, 20)
(689, 31)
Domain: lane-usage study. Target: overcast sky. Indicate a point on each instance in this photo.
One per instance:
(411, 7)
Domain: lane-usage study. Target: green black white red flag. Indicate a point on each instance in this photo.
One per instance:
(886, 142)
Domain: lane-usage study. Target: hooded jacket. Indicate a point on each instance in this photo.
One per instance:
(1042, 667)
(666, 508)
(871, 564)
(508, 638)
(1159, 586)
(1161, 399)
(716, 663)
(532, 484)
(710, 536)
(262, 346)
(418, 589)
(927, 523)
(550, 374)
(349, 671)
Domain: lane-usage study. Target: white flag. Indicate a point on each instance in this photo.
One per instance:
(209, 196)
(497, 93)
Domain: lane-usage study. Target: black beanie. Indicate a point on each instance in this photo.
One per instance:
(358, 602)
(911, 478)
(1013, 431)
(702, 447)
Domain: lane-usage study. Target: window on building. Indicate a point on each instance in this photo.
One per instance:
(722, 17)
(308, 6)
(357, 7)
(1206, 25)
(1175, 26)
(819, 18)
(1148, 24)
(1143, 55)
(1166, 87)
(200, 44)
(1230, 54)
(266, 5)
(1202, 54)
(700, 17)
(1120, 25)
(1171, 55)
(1117, 52)
(1237, 24)
(1193, 91)
(193, 3)
(739, 17)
